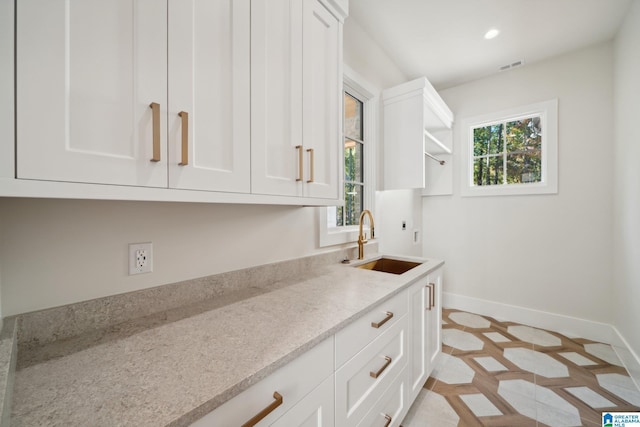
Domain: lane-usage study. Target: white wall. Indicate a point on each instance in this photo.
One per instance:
(549, 252)
(395, 207)
(365, 56)
(626, 189)
(56, 252)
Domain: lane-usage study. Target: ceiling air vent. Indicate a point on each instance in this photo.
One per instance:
(512, 65)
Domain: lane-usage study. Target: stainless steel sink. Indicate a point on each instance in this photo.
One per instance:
(388, 265)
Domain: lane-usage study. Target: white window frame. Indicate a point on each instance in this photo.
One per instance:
(548, 112)
(358, 87)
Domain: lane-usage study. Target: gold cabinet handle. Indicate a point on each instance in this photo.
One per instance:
(383, 321)
(388, 418)
(266, 411)
(185, 138)
(311, 162)
(300, 161)
(155, 124)
(432, 298)
(381, 370)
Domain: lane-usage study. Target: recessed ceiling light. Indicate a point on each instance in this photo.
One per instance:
(492, 33)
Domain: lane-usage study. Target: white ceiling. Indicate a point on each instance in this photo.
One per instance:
(444, 39)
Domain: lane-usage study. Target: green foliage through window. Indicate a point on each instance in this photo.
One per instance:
(508, 152)
(353, 163)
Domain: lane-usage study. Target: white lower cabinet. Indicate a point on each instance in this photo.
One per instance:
(390, 409)
(368, 374)
(434, 322)
(315, 410)
(418, 317)
(359, 334)
(425, 339)
(362, 380)
(293, 382)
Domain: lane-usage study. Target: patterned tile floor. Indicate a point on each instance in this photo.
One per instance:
(494, 373)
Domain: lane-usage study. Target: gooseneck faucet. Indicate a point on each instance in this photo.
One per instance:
(361, 237)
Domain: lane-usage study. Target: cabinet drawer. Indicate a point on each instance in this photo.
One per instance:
(390, 408)
(362, 380)
(356, 336)
(293, 381)
(315, 410)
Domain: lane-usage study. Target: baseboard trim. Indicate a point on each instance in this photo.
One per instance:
(566, 325)
(628, 357)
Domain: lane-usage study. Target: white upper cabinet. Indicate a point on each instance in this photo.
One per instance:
(209, 95)
(322, 100)
(87, 73)
(240, 99)
(296, 77)
(276, 98)
(417, 139)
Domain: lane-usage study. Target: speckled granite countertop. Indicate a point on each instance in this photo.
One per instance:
(173, 372)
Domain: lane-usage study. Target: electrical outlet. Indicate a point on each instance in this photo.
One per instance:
(140, 258)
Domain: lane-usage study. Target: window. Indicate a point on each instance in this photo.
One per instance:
(511, 152)
(339, 224)
(508, 152)
(354, 148)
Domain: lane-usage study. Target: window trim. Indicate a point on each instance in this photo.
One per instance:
(358, 87)
(548, 112)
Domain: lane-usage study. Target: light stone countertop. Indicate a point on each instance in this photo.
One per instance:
(171, 374)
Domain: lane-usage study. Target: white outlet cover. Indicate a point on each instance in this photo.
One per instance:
(140, 258)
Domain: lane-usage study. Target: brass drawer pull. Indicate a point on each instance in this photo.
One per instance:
(429, 286)
(383, 321)
(155, 125)
(311, 161)
(300, 162)
(266, 411)
(388, 418)
(381, 370)
(432, 297)
(185, 138)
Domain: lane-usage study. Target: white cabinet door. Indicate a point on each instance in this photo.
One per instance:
(296, 60)
(209, 79)
(425, 329)
(434, 319)
(418, 335)
(315, 410)
(322, 100)
(87, 73)
(276, 97)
